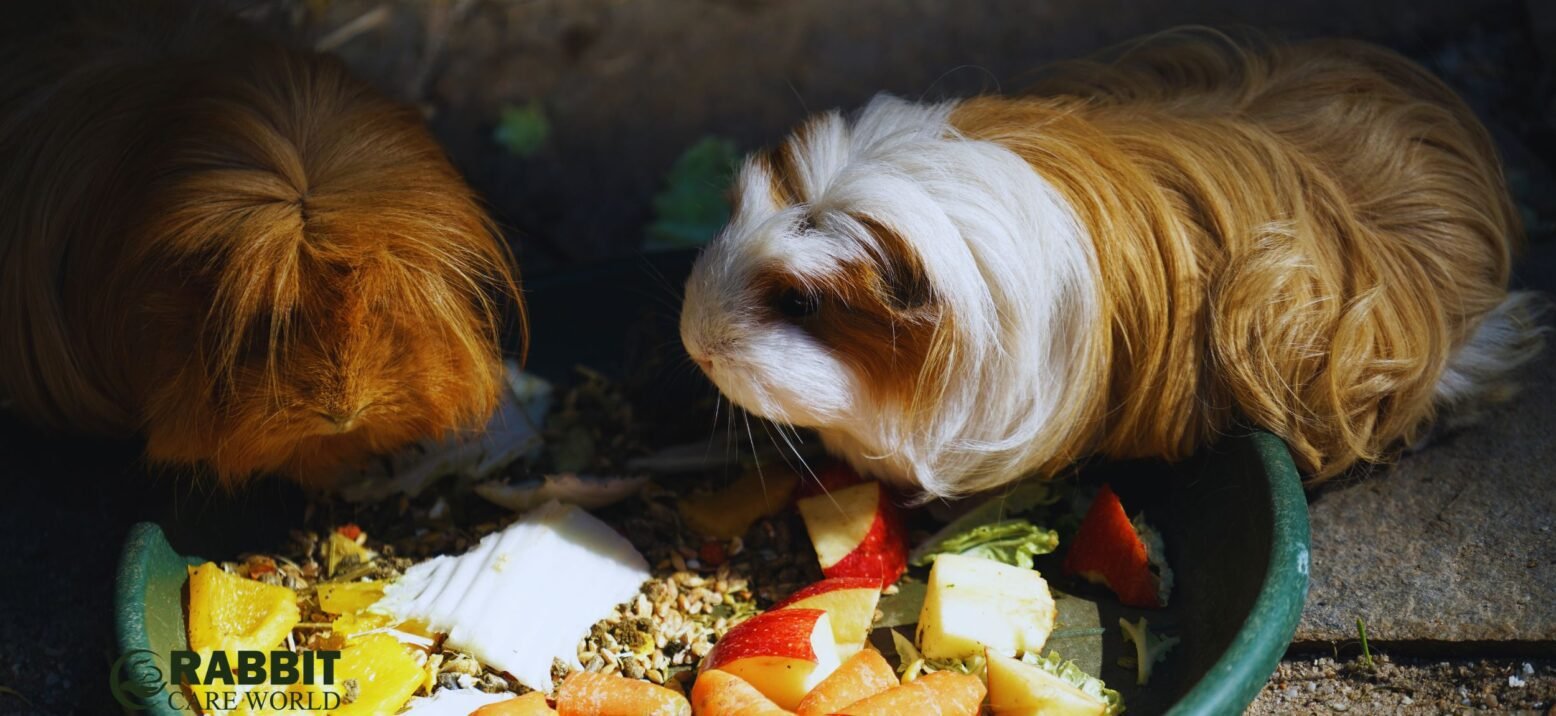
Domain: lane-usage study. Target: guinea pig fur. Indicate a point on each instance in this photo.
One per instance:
(232, 247)
(1141, 255)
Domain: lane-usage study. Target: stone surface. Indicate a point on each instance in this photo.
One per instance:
(1456, 542)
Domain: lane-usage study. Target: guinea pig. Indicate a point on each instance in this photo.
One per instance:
(233, 248)
(1143, 254)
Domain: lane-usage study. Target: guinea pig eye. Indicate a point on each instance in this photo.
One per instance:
(795, 304)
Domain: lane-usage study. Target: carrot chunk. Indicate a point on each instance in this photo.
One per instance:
(865, 674)
(942, 693)
(720, 693)
(530, 704)
(586, 693)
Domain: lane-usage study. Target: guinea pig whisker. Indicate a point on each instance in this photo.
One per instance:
(797, 456)
(745, 415)
(713, 430)
(662, 281)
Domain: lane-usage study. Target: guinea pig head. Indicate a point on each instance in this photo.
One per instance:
(319, 283)
(875, 284)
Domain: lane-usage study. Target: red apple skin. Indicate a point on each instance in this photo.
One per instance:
(831, 477)
(883, 553)
(781, 632)
(826, 586)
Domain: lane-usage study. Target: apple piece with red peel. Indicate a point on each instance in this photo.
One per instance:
(1020, 689)
(1108, 549)
(849, 602)
(831, 477)
(857, 532)
(784, 653)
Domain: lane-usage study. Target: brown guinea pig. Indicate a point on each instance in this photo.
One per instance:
(232, 247)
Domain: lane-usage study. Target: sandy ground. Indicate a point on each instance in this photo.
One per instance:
(1409, 686)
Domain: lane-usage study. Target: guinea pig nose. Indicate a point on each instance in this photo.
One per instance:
(341, 420)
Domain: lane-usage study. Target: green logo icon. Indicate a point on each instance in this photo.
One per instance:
(136, 678)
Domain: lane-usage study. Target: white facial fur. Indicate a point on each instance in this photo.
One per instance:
(1005, 257)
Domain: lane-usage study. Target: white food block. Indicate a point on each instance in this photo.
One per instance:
(526, 595)
(972, 603)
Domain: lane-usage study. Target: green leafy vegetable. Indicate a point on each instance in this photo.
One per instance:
(693, 206)
(1010, 541)
(1024, 497)
(911, 664)
(523, 130)
(1149, 647)
(1075, 676)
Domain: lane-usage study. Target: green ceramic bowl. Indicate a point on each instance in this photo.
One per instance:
(1234, 519)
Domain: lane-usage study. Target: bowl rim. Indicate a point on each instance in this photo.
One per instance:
(1242, 670)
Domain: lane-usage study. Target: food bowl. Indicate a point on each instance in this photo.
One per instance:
(1234, 518)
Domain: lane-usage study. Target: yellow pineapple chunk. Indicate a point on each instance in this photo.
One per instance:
(385, 671)
(354, 623)
(230, 613)
(349, 597)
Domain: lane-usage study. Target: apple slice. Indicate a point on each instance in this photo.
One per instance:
(857, 532)
(1017, 688)
(972, 603)
(849, 601)
(783, 653)
(1123, 555)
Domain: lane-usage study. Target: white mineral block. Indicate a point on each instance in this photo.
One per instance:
(526, 595)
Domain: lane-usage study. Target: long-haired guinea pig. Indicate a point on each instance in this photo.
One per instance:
(1149, 252)
(233, 248)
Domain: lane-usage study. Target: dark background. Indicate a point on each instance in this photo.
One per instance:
(627, 86)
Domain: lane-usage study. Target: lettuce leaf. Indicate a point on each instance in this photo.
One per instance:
(1075, 676)
(1024, 497)
(1010, 541)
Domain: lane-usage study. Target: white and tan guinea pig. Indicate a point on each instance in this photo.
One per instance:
(1314, 239)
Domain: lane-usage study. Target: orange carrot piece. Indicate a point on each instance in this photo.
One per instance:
(585, 693)
(530, 704)
(943, 693)
(865, 674)
(720, 693)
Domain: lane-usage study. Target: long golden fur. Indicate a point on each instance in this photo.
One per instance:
(1300, 236)
(233, 248)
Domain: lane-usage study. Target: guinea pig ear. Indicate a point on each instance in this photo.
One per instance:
(905, 284)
